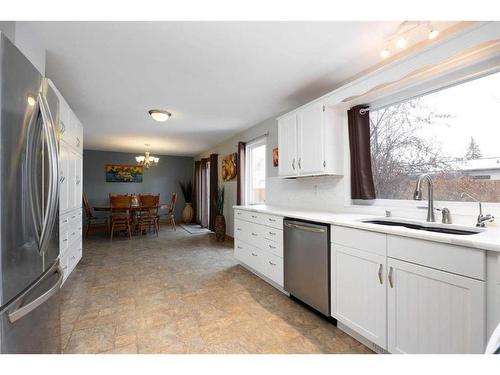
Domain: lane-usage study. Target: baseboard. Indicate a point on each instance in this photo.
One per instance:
(377, 349)
(267, 280)
(228, 237)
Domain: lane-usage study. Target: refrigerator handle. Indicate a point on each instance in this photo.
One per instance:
(53, 188)
(23, 310)
(32, 181)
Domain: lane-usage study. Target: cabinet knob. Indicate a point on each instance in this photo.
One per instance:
(272, 233)
(253, 254)
(271, 263)
(254, 234)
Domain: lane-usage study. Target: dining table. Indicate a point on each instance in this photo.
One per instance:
(162, 206)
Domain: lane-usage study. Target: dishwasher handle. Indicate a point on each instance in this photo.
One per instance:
(305, 228)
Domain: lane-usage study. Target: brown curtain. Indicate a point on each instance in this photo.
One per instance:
(214, 183)
(204, 193)
(240, 173)
(196, 199)
(362, 186)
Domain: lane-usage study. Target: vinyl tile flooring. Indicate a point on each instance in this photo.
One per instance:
(183, 293)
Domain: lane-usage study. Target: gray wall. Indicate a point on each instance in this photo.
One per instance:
(163, 179)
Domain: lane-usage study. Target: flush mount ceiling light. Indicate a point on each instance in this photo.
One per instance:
(159, 115)
(433, 33)
(385, 53)
(147, 160)
(402, 42)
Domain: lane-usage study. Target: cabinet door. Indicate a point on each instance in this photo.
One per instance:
(431, 311)
(71, 179)
(64, 160)
(359, 297)
(78, 180)
(287, 146)
(311, 137)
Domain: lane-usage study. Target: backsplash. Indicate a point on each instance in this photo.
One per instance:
(325, 193)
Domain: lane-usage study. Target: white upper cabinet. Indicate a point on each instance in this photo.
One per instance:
(287, 145)
(310, 142)
(311, 135)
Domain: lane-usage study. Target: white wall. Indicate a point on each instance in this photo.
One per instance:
(9, 29)
(25, 42)
(20, 33)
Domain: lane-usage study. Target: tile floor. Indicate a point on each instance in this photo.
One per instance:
(183, 293)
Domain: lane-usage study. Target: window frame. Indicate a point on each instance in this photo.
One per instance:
(261, 141)
(439, 83)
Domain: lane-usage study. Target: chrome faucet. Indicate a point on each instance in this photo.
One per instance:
(417, 195)
(481, 219)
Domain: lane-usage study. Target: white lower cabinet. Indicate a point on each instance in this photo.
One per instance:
(70, 241)
(431, 311)
(260, 246)
(412, 304)
(359, 292)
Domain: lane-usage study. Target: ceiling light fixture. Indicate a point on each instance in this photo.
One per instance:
(385, 53)
(402, 42)
(433, 33)
(159, 115)
(147, 160)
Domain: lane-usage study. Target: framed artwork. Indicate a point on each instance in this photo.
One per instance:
(124, 173)
(229, 167)
(275, 157)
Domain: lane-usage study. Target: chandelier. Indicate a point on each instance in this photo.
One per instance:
(147, 160)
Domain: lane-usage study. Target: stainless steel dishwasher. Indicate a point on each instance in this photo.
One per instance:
(307, 263)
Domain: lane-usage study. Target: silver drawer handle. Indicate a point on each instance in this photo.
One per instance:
(272, 247)
(271, 219)
(253, 254)
(73, 257)
(65, 221)
(65, 240)
(238, 213)
(238, 229)
(61, 180)
(254, 217)
(271, 263)
(239, 247)
(73, 233)
(73, 217)
(391, 282)
(254, 234)
(272, 233)
(380, 278)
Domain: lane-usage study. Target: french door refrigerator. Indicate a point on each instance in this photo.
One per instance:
(30, 276)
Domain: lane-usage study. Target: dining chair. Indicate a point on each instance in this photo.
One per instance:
(170, 214)
(147, 215)
(120, 213)
(91, 221)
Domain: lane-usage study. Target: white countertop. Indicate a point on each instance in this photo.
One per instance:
(486, 240)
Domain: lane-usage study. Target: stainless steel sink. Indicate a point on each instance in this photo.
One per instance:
(428, 227)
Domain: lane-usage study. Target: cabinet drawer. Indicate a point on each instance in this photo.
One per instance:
(273, 268)
(456, 259)
(371, 242)
(74, 257)
(256, 234)
(266, 264)
(260, 218)
(272, 247)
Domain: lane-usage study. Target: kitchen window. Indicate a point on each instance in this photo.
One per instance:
(453, 134)
(256, 172)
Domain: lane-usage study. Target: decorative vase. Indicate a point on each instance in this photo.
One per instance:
(187, 213)
(220, 228)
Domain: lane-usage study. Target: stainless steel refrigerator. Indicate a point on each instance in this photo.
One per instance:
(30, 276)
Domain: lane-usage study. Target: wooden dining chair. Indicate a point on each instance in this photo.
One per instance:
(170, 214)
(91, 221)
(147, 215)
(120, 213)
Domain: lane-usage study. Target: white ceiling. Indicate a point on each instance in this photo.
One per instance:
(217, 78)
